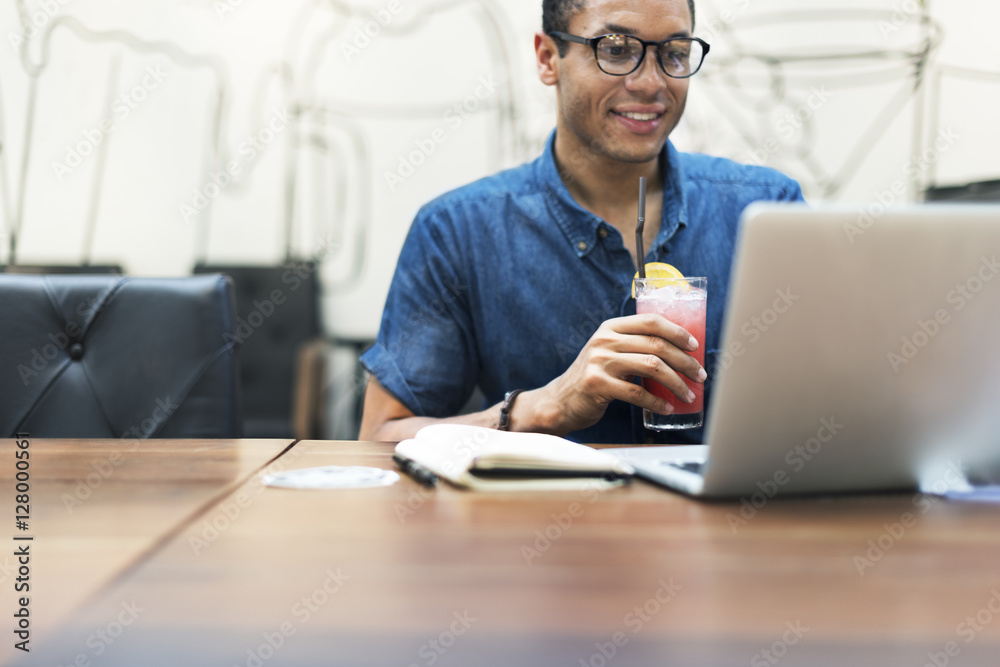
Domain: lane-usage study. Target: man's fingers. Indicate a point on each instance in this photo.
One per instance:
(651, 366)
(651, 324)
(636, 395)
(611, 380)
(669, 355)
(639, 345)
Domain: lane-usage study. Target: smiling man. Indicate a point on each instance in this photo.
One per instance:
(519, 283)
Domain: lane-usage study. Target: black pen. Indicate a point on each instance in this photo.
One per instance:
(415, 470)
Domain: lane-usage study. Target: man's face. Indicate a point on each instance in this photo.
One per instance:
(626, 118)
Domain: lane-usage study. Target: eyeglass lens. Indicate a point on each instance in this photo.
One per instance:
(621, 54)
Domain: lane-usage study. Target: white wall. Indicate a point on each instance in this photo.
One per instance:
(228, 67)
(855, 120)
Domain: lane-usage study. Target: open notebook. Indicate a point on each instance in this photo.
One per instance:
(484, 459)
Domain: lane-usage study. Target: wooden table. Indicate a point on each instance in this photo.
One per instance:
(401, 575)
(100, 507)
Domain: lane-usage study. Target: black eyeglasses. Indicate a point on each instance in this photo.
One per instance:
(618, 55)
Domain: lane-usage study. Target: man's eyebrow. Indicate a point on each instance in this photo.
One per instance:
(617, 29)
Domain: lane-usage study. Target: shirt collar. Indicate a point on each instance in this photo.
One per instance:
(581, 227)
(675, 210)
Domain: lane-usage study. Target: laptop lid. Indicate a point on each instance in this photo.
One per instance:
(859, 352)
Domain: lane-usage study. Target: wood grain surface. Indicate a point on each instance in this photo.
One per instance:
(98, 507)
(404, 575)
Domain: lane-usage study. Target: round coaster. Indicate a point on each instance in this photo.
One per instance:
(332, 477)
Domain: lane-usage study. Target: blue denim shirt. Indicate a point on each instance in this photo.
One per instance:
(500, 283)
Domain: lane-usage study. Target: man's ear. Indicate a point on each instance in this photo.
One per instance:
(547, 59)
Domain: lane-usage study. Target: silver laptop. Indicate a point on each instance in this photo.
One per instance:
(859, 353)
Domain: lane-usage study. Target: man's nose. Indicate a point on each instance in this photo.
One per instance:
(648, 77)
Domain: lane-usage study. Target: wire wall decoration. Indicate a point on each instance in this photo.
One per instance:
(330, 178)
(770, 94)
(324, 123)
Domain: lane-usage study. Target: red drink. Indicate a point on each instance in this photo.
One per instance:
(683, 302)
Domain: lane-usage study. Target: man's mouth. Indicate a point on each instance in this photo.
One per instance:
(634, 115)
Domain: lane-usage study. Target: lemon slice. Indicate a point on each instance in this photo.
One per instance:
(663, 274)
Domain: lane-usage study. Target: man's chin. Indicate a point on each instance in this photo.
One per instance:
(633, 150)
(634, 156)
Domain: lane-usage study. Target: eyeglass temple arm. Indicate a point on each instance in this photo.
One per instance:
(566, 37)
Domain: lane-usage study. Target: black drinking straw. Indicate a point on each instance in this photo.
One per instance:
(640, 254)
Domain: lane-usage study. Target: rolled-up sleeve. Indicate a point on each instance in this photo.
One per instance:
(425, 353)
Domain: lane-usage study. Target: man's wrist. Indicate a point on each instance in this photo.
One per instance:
(533, 412)
(506, 407)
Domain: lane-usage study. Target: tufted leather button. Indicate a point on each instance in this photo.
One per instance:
(76, 352)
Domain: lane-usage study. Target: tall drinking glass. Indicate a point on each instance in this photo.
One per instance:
(683, 301)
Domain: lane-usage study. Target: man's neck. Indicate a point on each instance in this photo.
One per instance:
(602, 185)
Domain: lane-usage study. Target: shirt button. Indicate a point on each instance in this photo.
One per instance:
(602, 232)
(581, 246)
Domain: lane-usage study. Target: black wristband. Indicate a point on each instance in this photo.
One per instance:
(508, 402)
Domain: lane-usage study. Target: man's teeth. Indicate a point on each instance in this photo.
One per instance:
(638, 116)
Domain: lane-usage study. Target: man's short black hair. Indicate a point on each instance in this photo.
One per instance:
(556, 15)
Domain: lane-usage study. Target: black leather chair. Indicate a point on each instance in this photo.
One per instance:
(61, 269)
(985, 191)
(281, 351)
(111, 356)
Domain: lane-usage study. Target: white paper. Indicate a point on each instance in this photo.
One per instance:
(332, 477)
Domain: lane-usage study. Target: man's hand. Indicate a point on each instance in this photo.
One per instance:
(645, 345)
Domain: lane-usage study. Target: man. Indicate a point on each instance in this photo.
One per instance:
(521, 281)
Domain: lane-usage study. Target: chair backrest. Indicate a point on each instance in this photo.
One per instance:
(277, 311)
(111, 356)
(61, 269)
(984, 191)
